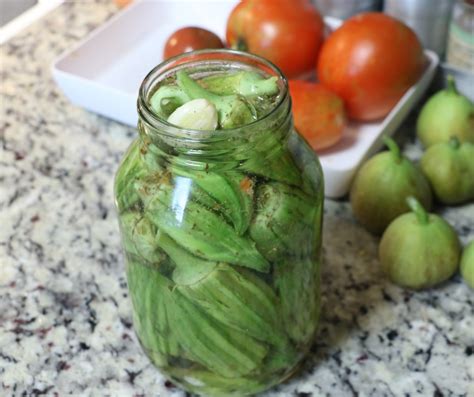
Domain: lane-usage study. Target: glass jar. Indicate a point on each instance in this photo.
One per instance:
(222, 236)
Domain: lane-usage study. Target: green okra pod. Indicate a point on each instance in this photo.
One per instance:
(139, 238)
(144, 237)
(169, 104)
(297, 283)
(151, 160)
(233, 110)
(151, 298)
(221, 349)
(230, 194)
(277, 166)
(167, 99)
(241, 83)
(129, 172)
(189, 268)
(281, 358)
(199, 229)
(244, 188)
(284, 221)
(239, 300)
(128, 221)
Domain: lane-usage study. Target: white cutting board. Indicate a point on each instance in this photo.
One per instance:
(103, 74)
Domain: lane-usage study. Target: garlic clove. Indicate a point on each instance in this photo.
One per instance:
(198, 114)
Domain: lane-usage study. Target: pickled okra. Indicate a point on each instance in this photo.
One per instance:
(130, 171)
(232, 194)
(284, 221)
(233, 110)
(297, 283)
(223, 251)
(248, 84)
(140, 237)
(203, 232)
(152, 302)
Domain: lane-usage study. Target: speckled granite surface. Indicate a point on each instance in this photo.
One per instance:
(65, 320)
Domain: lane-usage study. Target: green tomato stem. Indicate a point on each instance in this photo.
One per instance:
(418, 209)
(393, 147)
(451, 82)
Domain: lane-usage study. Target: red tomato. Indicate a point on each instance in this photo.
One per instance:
(370, 61)
(318, 113)
(190, 39)
(287, 32)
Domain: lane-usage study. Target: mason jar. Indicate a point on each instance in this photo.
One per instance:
(222, 236)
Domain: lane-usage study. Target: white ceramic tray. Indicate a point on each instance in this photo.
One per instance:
(103, 74)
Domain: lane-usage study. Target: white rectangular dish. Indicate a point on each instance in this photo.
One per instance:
(104, 71)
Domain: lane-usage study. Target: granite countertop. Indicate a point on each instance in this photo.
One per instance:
(65, 314)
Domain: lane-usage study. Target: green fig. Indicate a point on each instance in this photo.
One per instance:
(449, 167)
(446, 114)
(382, 185)
(419, 250)
(467, 264)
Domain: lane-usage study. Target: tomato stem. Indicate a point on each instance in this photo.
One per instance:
(392, 146)
(418, 209)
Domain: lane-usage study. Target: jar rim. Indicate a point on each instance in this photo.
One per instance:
(230, 56)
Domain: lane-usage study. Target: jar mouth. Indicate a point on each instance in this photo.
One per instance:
(226, 58)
